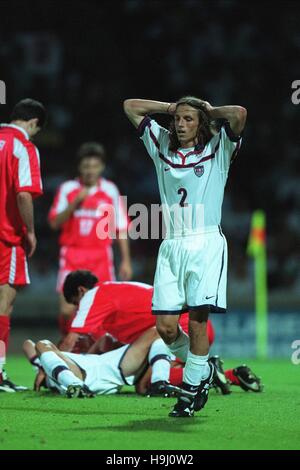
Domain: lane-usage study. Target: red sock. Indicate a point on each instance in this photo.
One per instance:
(210, 332)
(4, 330)
(176, 376)
(231, 377)
(65, 324)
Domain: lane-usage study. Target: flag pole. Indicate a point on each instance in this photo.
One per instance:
(257, 249)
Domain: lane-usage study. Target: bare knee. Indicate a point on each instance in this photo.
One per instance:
(44, 346)
(29, 348)
(168, 331)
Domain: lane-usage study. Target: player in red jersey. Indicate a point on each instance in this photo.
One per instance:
(124, 311)
(120, 309)
(20, 183)
(79, 209)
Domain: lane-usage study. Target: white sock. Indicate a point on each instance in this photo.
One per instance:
(58, 370)
(159, 359)
(196, 369)
(181, 345)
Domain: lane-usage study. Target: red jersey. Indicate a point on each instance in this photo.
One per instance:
(122, 309)
(19, 171)
(85, 228)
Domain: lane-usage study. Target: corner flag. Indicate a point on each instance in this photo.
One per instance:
(257, 249)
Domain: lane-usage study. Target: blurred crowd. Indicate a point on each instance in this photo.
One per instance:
(83, 61)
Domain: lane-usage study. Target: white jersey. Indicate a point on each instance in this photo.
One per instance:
(191, 181)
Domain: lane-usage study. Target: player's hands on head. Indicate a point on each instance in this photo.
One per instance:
(207, 107)
(172, 109)
(30, 242)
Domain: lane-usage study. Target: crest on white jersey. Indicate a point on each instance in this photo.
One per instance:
(199, 170)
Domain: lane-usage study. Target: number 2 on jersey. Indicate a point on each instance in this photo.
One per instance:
(182, 202)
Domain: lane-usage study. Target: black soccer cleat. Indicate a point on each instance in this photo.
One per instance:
(219, 380)
(248, 380)
(184, 408)
(203, 390)
(79, 391)
(160, 389)
(8, 386)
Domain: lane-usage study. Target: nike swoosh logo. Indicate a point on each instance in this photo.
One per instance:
(209, 297)
(167, 169)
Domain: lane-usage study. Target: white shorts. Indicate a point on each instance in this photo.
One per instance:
(191, 272)
(103, 373)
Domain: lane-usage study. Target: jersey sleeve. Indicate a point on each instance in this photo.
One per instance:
(155, 137)
(227, 147)
(93, 309)
(60, 203)
(27, 177)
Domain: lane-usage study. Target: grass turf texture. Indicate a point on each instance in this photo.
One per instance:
(239, 421)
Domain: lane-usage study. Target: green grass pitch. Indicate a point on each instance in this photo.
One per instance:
(239, 421)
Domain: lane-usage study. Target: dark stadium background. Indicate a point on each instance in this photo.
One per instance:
(82, 59)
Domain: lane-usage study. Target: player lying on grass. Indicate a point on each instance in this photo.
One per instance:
(123, 309)
(79, 375)
(86, 375)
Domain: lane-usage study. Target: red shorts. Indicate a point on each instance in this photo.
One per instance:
(98, 261)
(13, 265)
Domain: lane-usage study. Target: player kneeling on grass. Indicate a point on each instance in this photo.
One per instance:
(79, 375)
(117, 313)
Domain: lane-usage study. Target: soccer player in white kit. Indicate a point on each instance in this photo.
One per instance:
(192, 161)
(86, 375)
